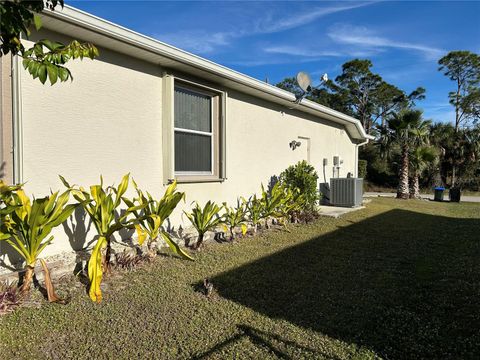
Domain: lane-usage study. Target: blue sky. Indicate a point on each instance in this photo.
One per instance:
(274, 40)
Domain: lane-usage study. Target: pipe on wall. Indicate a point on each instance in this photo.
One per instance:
(17, 122)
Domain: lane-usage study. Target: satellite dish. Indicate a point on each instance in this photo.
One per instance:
(324, 77)
(304, 81)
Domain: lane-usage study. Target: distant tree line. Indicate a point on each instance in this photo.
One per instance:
(410, 152)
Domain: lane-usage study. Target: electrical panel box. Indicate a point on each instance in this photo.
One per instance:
(336, 160)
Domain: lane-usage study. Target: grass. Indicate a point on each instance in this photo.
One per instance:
(398, 280)
(369, 187)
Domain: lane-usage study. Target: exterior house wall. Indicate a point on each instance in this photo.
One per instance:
(6, 131)
(109, 121)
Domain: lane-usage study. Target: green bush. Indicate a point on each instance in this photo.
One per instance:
(302, 179)
(362, 169)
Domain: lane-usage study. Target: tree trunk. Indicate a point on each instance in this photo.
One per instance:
(108, 254)
(454, 174)
(27, 279)
(232, 233)
(402, 190)
(415, 187)
(199, 241)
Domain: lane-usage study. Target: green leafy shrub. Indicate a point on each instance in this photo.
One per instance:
(362, 169)
(302, 180)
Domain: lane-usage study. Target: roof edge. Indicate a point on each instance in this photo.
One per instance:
(105, 27)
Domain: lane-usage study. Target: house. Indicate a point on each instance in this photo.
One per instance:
(160, 113)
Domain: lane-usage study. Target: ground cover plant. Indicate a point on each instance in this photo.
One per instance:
(395, 280)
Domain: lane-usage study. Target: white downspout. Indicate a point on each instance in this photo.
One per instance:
(356, 155)
(17, 122)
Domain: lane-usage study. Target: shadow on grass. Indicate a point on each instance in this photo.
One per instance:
(403, 284)
(262, 339)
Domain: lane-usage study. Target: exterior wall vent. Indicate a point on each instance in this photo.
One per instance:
(346, 192)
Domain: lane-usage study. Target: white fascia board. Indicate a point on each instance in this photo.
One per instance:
(127, 36)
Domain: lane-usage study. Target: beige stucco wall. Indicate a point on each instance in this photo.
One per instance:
(109, 121)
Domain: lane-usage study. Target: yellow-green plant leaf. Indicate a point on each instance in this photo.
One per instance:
(37, 21)
(244, 229)
(95, 271)
(175, 247)
(142, 234)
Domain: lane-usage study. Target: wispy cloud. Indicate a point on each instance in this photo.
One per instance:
(299, 51)
(315, 53)
(365, 38)
(197, 41)
(273, 61)
(273, 25)
(204, 42)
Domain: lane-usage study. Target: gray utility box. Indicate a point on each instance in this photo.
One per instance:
(346, 192)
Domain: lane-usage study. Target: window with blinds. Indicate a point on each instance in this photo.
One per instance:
(194, 126)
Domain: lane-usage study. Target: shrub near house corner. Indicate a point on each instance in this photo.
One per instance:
(302, 180)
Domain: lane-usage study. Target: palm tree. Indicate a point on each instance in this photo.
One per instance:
(442, 136)
(420, 158)
(405, 128)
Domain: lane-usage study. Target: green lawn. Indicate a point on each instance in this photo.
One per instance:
(398, 280)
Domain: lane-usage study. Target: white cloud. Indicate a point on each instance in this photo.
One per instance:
(315, 53)
(204, 42)
(272, 25)
(298, 51)
(364, 38)
(196, 41)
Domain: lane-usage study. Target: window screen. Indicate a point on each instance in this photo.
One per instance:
(193, 131)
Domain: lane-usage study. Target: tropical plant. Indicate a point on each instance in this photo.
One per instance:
(420, 158)
(235, 217)
(404, 129)
(45, 58)
(291, 207)
(26, 225)
(255, 210)
(101, 204)
(204, 220)
(153, 215)
(272, 201)
(302, 179)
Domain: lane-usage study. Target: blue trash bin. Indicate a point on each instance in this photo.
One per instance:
(439, 193)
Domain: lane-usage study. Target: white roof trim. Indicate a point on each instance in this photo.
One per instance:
(104, 27)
